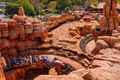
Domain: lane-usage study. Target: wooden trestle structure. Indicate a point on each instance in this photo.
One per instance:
(111, 15)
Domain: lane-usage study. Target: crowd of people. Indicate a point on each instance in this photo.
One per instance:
(60, 67)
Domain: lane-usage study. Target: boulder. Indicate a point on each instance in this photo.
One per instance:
(102, 74)
(60, 77)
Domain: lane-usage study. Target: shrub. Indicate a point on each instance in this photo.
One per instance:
(63, 4)
(28, 7)
(11, 9)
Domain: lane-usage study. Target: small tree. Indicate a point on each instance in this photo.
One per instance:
(94, 3)
(118, 1)
(76, 2)
(63, 4)
(28, 7)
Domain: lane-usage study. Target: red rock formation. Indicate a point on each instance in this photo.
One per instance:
(19, 33)
(2, 74)
(19, 30)
(21, 12)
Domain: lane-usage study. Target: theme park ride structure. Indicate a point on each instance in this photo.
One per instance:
(110, 22)
(111, 16)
